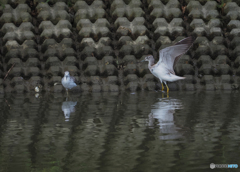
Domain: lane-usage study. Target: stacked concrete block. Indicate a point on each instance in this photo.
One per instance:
(57, 44)
(101, 43)
(172, 29)
(206, 12)
(22, 62)
(54, 14)
(58, 57)
(15, 15)
(91, 12)
(131, 10)
(213, 62)
(24, 32)
(99, 67)
(159, 10)
(231, 11)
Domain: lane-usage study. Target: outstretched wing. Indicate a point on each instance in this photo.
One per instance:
(170, 55)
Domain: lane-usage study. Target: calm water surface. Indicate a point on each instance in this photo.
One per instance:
(115, 132)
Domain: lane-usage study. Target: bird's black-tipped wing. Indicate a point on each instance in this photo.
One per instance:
(170, 55)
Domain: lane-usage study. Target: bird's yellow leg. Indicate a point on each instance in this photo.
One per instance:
(162, 86)
(162, 95)
(167, 89)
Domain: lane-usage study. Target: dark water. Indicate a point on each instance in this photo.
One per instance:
(115, 132)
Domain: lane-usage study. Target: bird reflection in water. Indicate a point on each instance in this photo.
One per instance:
(162, 113)
(68, 107)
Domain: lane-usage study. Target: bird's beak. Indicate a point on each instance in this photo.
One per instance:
(142, 61)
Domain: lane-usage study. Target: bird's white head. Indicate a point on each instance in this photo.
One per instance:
(66, 73)
(149, 58)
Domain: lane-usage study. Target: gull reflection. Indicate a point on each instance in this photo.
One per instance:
(162, 113)
(68, 107)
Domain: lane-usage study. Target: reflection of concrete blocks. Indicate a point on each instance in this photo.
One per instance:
(21, 33)
(172, 29)
(54, 14)
(169, 11)
(61, 30)
(91, 12)
(120, 9)
(206, 12)
(17, 16)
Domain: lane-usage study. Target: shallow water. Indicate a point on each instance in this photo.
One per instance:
(142, 131)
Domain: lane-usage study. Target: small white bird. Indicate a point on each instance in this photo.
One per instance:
(68, 81)
(168, 58)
